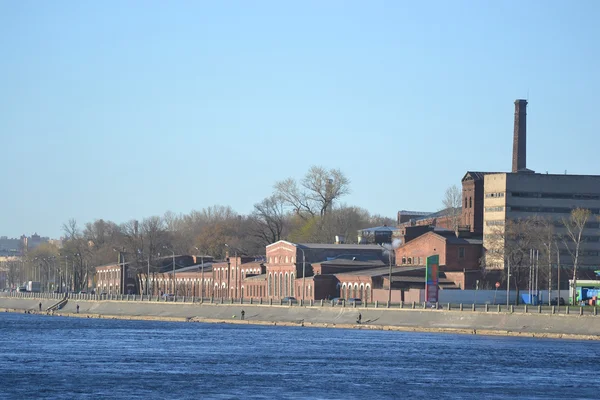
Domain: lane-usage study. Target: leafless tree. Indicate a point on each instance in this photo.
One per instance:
(574, 226)
(269, 220)
(317, 192)
(512, 244)
(453, 205)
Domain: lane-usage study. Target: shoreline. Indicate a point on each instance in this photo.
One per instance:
(363, 326)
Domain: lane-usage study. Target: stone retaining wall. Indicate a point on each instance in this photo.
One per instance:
(466, 321)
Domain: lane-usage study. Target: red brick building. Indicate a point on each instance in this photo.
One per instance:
(288, 263)
(459, 255)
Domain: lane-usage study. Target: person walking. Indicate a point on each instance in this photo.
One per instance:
(243, 314)
(77, 308)
(40, 306)
(358, 321)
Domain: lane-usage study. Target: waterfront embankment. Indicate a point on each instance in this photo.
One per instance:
(571, 326)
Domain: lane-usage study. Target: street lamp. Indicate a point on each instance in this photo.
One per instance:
(174, 289)
(389, 251)
(202, 275)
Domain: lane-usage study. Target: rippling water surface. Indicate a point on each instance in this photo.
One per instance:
(72, 358)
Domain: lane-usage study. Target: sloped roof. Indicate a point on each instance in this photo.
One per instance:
(327, 246)
(377, 229)
(477, 175)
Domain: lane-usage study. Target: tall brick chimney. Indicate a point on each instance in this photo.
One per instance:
(519, 158)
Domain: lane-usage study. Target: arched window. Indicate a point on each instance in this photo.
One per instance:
(355, 292)
(470, 202)
(292, 284)
(362, 290)
(286, 284)
(367, 293)
(465, 202)
(347, 291)
(287, 260)
(280, 284)
(343, 290)
(269, 283)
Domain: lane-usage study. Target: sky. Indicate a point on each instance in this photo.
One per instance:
(128, 109)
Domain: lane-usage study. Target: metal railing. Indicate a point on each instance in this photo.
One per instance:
(456, 307)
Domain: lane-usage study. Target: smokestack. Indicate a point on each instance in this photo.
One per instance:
(519, 159)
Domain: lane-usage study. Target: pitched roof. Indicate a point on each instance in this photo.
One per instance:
(377, 229)
(477, 175)
(380, 271)
(327, 246)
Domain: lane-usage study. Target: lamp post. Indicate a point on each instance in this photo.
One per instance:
(174, 288)
(389, 251)
(148, 277)
(202, 275)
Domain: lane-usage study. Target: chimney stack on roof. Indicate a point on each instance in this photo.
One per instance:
(519, 159)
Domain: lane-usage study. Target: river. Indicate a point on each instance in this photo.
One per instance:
(48, 357)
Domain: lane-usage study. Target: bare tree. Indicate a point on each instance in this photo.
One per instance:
(575, 226)
(317, 192)
(453, 205)
(512, 244)
(269, 220)
(547, 240)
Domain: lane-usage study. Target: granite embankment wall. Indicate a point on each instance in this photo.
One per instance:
(479, 322)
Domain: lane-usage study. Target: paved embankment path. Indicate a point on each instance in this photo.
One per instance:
(470, 322)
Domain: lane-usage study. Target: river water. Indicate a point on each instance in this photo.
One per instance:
(72, 358)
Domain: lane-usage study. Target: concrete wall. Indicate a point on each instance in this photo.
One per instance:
(493, 323)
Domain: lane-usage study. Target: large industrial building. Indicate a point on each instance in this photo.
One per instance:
(522, 193)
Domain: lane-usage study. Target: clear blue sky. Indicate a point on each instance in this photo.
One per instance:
(127, 109)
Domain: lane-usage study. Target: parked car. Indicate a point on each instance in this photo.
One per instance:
(338, 301)
(558, 302)
(287, 300)
(356, 301)
(168, 295)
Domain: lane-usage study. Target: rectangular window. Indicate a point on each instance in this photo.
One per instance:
(461, 252)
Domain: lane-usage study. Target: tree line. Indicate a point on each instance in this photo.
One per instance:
(542, 244)
(305, 210)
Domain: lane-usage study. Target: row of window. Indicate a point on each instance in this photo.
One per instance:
(494, 195)
(470, 202)
(495, 222)
(280, 287)
(348, 291)
(559, 210)
(568, 196)
(282, 259)
(494, 209)
(412, 260)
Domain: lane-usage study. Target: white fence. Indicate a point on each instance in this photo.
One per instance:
(492, 296)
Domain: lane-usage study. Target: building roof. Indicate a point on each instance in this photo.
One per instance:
(327, 246)
(451, 238)
(352, 263)
(380, 229)
(478, 175)
(260, 277)
(418, 279)
(380, 271)
(415, 213)
(191, 268)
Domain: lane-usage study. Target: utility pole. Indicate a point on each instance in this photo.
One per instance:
(148, 277)
(390, 278)
(508, 285)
